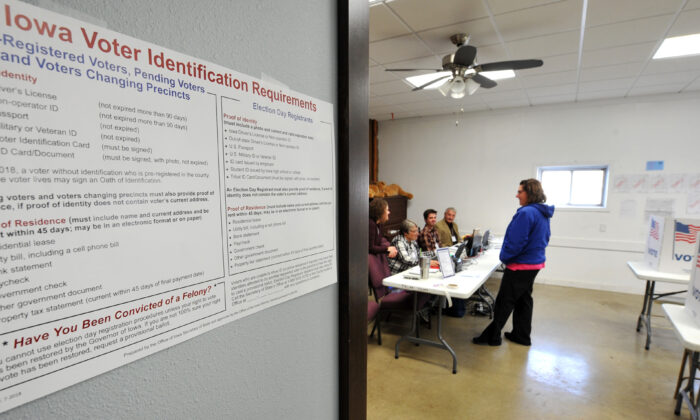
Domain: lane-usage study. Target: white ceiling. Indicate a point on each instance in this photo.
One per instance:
(610, 58)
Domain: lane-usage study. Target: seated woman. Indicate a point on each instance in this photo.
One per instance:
(407, 248)
(408, 256)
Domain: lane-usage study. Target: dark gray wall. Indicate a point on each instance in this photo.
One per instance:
(278, 363)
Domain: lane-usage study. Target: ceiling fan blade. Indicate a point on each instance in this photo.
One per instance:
(431, 82)
(436, 70)
(511, 65)
(484, 81)
(465, 55)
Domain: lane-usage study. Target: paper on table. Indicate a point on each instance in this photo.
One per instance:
(416, 270)
(468, 274)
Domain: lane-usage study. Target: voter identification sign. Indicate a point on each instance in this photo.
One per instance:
(146, 197)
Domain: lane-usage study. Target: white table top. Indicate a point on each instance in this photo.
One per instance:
(644, 272)
(686, 329)
(462, 284)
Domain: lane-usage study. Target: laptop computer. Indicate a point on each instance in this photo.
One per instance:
(446, 267)
(476, 244)
(461, 248)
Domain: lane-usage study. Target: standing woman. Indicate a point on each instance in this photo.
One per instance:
(379, 247)
(523, 254)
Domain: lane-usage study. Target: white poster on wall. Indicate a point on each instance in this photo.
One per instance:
(659, 207)
(638, 183)
(693, 203)
(658, 184)
(622, 183)
(147, 197)
(676, 183)
(654, 241)
(694, 183)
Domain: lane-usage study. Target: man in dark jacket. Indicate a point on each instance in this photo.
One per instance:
(522, 252)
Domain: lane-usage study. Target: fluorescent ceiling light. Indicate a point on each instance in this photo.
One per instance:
(499, 74)
(679, 46)
(422, 79)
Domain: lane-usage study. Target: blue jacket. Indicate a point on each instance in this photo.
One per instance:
(527, 235)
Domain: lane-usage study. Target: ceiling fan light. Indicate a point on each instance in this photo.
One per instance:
(458, 86)
(472, 86)
(457, 95)
(445, 88)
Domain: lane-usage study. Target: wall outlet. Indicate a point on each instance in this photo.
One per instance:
(603, 228)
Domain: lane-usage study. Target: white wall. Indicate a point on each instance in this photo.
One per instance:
(478, 163)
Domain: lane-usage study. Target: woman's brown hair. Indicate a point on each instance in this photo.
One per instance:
(376, 208)
(533, 188)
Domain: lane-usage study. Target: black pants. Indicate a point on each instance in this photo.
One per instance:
(514, 295)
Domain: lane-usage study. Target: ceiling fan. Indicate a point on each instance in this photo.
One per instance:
(464, 71)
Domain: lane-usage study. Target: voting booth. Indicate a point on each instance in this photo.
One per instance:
(692, 300)
(671, 244)
(686, 324)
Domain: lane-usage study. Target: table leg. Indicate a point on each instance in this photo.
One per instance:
(416, 316)
(650, 301)
(442, 340)
(686, 355)
(688, 394)
(414, 326)
(441, 344)
(644, 306)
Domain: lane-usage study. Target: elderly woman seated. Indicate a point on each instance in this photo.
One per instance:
(379, 250)
(406, 244)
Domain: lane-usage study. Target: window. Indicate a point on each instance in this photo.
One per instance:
(575, 186)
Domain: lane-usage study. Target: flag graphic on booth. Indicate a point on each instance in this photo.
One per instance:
(686, 233)
(684, 240)
(654, 229)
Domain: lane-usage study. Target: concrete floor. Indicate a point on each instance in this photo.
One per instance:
(586, 362)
